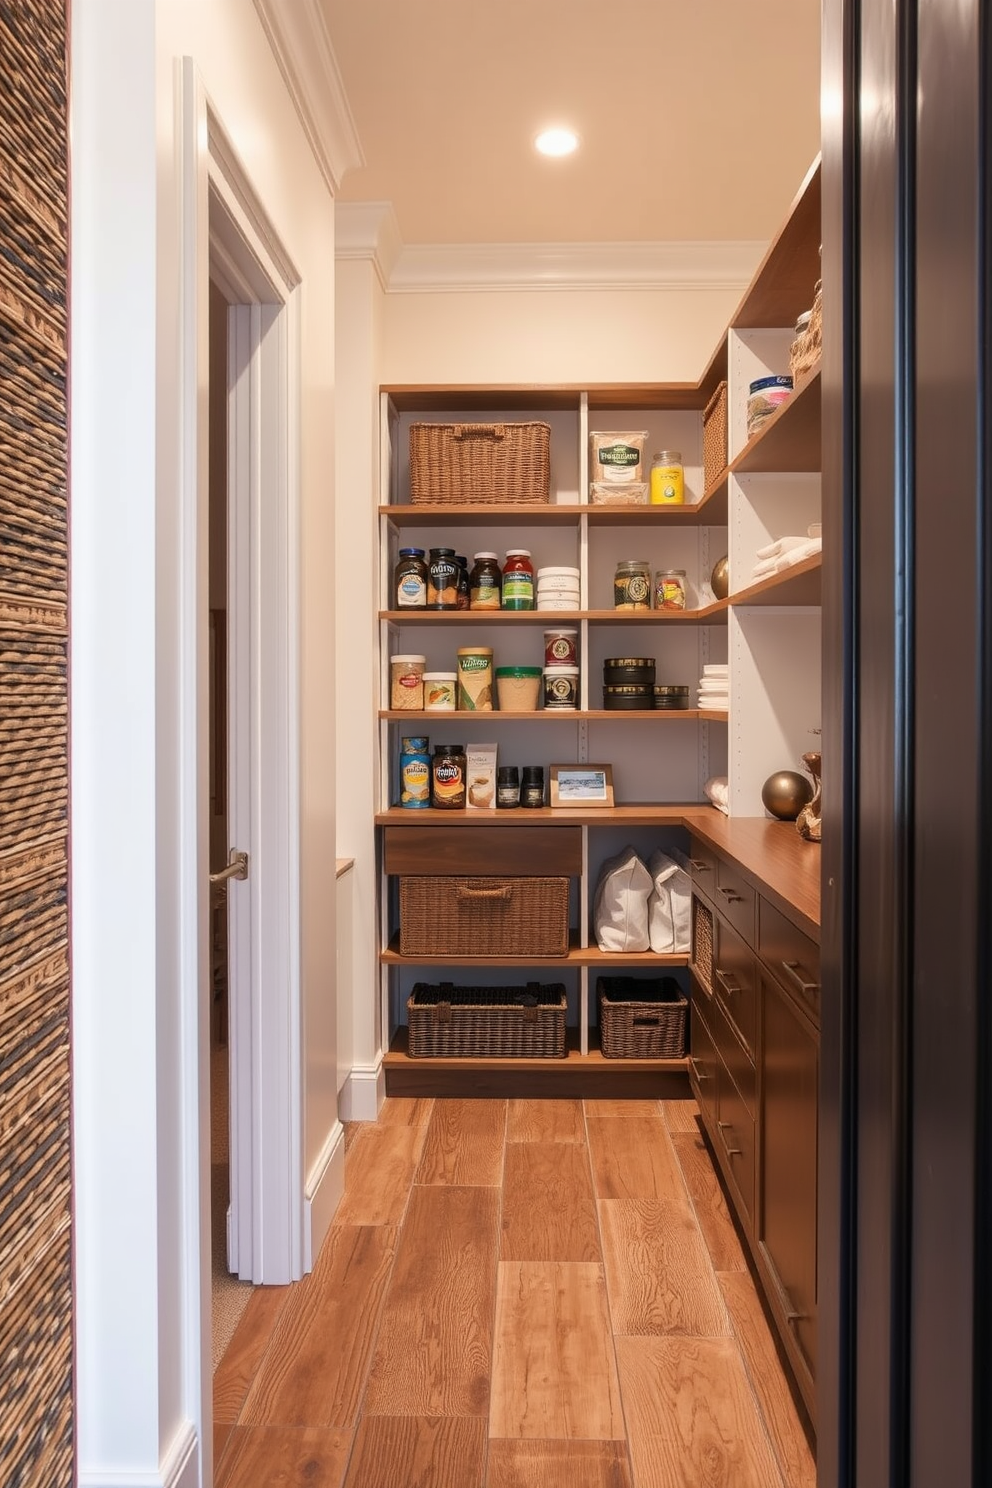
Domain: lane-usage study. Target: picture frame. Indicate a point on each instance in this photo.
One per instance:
(581, 787)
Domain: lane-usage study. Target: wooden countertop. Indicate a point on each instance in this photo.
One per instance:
(781, 865)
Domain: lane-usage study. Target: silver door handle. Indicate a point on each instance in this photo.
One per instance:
(237, 867)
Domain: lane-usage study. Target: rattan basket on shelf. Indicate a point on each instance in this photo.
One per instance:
(526, 1022)
(805, 351)
(480, 464)
(715, 436)
(461, 916)
(641, 1019)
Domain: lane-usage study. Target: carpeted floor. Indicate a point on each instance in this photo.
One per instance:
(230, 1296)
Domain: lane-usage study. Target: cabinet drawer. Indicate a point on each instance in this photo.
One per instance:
(702, 1061)
(735, 982)
(702, 862)
(735, 1058)
(483, 850)
(735, 898)
(735, 1142)
(790, 956)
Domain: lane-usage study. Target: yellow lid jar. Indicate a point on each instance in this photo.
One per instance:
(667, 479)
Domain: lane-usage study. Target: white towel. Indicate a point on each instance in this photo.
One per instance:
(780, 545)
(815, 529)
(717, 669)
(796, 555)
(717, 789)
(765, 567)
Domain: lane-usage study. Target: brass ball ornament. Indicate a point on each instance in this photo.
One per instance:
(785, 794)
(720, 579)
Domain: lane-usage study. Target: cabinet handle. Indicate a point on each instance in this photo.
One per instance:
(730, 1151)
(499, 891)
(731, 895)
(727, 981)
(695, 1071)
(698, 867)
(793, 968)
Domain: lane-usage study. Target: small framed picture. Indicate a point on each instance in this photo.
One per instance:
(581, 786)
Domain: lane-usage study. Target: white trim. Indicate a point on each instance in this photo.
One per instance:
(302, 47)
(363, 1093)
(368, 230)
(322, 1193)
(179, 1468)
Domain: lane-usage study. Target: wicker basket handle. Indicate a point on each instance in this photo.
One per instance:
(480, 431)
(497, 891)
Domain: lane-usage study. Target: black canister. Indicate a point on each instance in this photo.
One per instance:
(637, 670)
(507, 787)
(532, 786)
(628, 697)
(671, 697)
(442, 580)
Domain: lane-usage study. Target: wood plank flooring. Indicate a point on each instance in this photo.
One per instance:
(515, 1294)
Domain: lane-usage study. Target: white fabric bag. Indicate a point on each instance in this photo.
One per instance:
(669, 908)
(620, 909)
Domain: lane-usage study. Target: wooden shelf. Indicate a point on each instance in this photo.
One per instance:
(714, 614)
(796, 585)
(575, 1076)
(634, 814)
(532, 396)
(577, 956)
(710, 511)
(789, 441)
(557, 715)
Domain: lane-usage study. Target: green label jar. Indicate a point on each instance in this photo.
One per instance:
(632, 585)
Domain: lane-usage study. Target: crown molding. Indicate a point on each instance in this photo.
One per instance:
(369, 230)
(302, 48)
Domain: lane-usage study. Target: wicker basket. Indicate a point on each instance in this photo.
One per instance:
(487, 1022)
(715, 437)
(641, 1019)
(804, 353)
(480, 464)
(702, 942)
(483, 916)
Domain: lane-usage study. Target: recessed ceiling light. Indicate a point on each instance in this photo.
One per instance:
(556, 141)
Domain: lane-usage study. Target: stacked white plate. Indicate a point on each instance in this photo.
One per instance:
(714, 687)
(557, 589)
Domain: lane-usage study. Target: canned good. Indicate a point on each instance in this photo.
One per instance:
(765, 395)
(415, 773)
(561, 687)
(638, 670)
(475, 679)
(560, 648)
(518, 688)
(632, 585)
(669, 589)
(671, 697)
(448, 767)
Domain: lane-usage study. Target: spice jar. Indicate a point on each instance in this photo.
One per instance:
(518, 580)
(669, 589)
(462, 596)
(632, 585)
(532, 786)
(485, 582)
(406, 682)
(410, 580)
(442, 580)
(667, 479)
(475, 678)
(507, 787)
(415, 772)
(448, 777)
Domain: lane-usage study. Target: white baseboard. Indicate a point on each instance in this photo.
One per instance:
(179, 1468)
(363, 1093)
(322, 1194)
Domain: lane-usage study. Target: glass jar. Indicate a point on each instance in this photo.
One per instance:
(667, 479)
(507, 787)
(518, 580)
(669, 589)
(406, 683)
(532, 786)
(442, 580)
(410, 580)
(448, 767)
(485, 582)
(462, 600)
(632, 585)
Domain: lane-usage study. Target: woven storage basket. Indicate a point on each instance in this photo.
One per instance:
(480, 464)
(487, 1022)
(483, 916)
(715, 436)
(641, 1019)
(702, 943)
(804, 353)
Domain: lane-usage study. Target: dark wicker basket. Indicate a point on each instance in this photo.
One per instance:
(641, 1019)
(461, 916)
(487, 1022)
(715, 436)
(480, 464)
(702, 942)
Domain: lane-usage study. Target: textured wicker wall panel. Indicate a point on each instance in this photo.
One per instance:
(36, 1348)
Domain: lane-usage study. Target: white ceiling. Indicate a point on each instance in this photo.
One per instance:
(698, 118)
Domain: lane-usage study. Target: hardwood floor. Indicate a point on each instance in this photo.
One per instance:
(515, 1294)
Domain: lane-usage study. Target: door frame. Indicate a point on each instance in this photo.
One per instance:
(228, 236)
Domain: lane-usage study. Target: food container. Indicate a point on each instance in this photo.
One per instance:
(666, 696)
(765, 395)
(480, 777)
(475, 679)
(632, 585)
(638, 670)
(635, 493)
(518, 580)
(518, 688)
(507, 787)
(628, 697)
(615, 456)
(562, 579)
(561, 648)
(561, 688)
(532, 786)
(558, 605)
(667, 479)
(410, 580)
(406, 683)
(485, 583)
(440, 691)
(669, 589)
(448, 767)
(442, 580)
(415, 772)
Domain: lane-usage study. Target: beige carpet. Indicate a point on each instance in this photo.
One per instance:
(230, 1296)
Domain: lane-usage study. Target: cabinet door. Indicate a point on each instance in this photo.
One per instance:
(788, 1135)
(702, 1059)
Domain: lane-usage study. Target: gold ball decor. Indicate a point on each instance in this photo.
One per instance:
(720, 579)
(785, 794)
